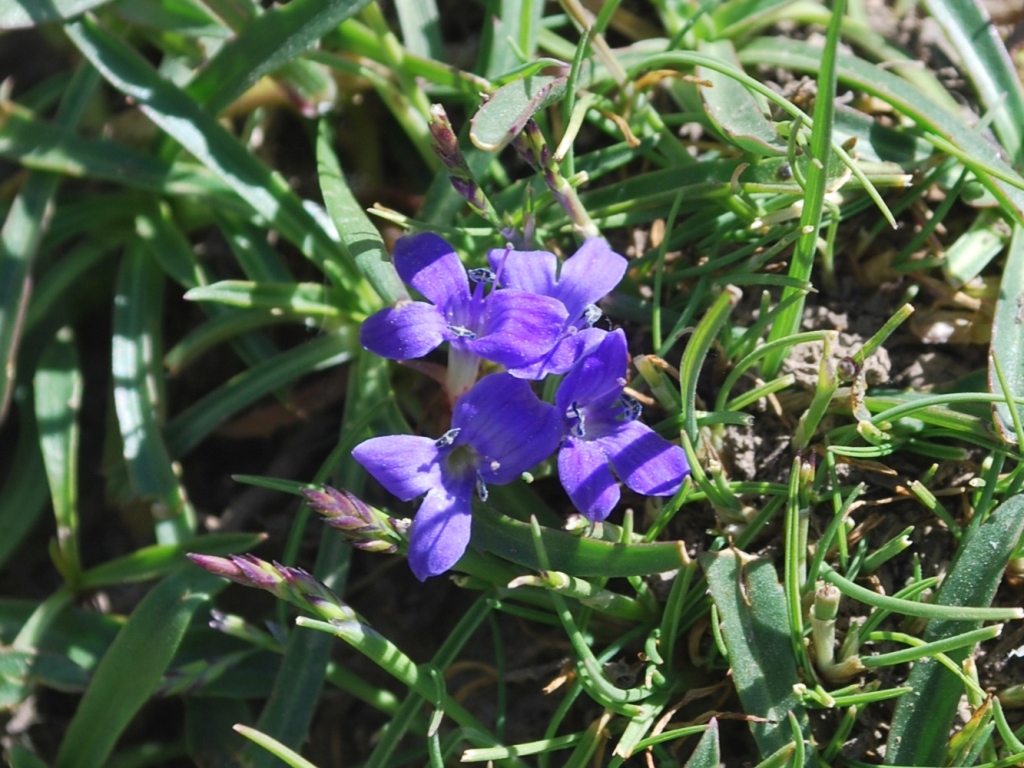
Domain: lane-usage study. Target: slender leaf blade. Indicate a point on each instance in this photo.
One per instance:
(923, 719)
(1008, 335)
(141, 653)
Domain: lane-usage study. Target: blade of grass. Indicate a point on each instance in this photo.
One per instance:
(192, 425)
(17, 15)
(788, 321)
(755, 627)
(985, 61)
(200, 133)
(268, 42)
(22, 232)
(140, 653)
(855, 73)
(358, 234)
(1008, 337)
(923, 718)
(137, 382)
(22, 495)
(57, 393)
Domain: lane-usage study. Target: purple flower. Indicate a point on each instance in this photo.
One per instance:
(601, 429)
(511, 326)
(587, 276)
(499, 430)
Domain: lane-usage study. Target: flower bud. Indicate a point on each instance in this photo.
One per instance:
(365, 527)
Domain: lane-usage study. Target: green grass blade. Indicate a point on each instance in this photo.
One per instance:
(17, 14)
(1008, 336)
(571, 554)
(734, 110)
(755, 625)
(57, 394)
(22, 232)
(923, 719)
(358, 234)
(274, 747)
(298, 299)
(271, 40)
(200, 133)
(707, 753)
(186, 430)
(788, 320)
(137, 382)
(288, 712)
(22, 495)
(421, 30)
(21, 758)
(984, 59)
(159, 560)
(979, 156)
(141, 653)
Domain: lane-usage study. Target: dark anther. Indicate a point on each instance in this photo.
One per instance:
(480, 275)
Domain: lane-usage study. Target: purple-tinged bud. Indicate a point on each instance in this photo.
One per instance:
(221, 566)
(365, 527)
(260, 573)
(446, 143)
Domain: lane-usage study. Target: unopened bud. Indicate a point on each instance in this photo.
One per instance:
(365, 527)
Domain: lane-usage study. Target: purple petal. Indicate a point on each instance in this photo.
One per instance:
(404, 464)
(429, 264)
(508, 425)
(589, 275)
(564, 355)
(404, 332)
(645, 461)
(586, 477)
(533, 271)
(519, 327)
(440, 530)
(597, 375)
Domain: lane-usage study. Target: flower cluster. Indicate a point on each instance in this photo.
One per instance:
(536, 318)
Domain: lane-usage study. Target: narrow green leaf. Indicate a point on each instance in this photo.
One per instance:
(707, 753)
(923, 718)
(984, 59)
(358, 234)
(46, 146)
(755, 625)
(505, 114)
(58, 398)
(734, 110)
(298, 299)
(1008, 335)
(17, 14)
(200, 133)
(23, 493)
(787, 322)
(187, 429)
(274, 747)
(574, 555)
(23, 229)
(421, 28)
(141, 653)
(979, 155)
(736, 18)
(975, 248)
(187, 18)
(137, 381)
(271, 40)
(217, 330)
(22, 758)
(159, 560)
